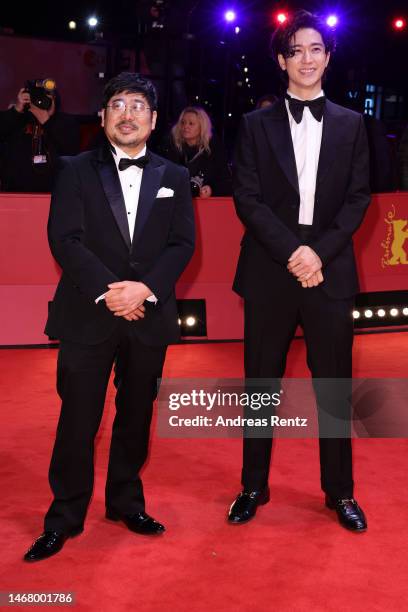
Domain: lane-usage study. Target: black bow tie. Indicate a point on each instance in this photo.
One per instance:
(316, 107)
(140, 162)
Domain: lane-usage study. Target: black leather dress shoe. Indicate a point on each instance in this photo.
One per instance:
(244, 507)
(49, 543)
(349, 513)
(139, 522)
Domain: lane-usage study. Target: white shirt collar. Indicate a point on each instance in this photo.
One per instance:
(118, 154)
(292, 95)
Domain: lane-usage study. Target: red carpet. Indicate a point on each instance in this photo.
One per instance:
(293, 557)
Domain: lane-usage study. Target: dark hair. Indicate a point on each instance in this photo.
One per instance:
(281, 37)
(130, 82)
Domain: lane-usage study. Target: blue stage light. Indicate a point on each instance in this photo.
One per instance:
(230, 16)
(332, 21)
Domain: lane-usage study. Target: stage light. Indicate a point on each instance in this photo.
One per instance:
(405, 311)
(394, 312)
(179, 321)
(245, 69)
(229, 114)
(191, 321)
(72, 25)
(381, 312)
(368, 314)
(247, 80)
(332, 21)
(92, 22)
(230, 16)
(356, 314)
(237, 30)
(281, 18)
(399, 24)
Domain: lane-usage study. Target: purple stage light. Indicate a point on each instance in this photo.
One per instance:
(230, 16)
(332, 21)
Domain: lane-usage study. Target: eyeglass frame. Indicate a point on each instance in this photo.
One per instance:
(126, 106)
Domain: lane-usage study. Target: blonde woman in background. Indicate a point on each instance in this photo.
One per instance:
(193, 145)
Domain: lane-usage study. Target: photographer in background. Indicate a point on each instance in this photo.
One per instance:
(193, 145)
(33, 133)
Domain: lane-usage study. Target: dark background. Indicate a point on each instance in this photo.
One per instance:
(197, 58)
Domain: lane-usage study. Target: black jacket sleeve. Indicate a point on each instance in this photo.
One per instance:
(66, 230)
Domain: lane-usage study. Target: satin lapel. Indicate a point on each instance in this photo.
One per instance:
(113, 191)
(332, 137)
(276, 124)
(151, 181)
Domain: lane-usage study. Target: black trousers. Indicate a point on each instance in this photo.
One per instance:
(328, 332)
(82, 377)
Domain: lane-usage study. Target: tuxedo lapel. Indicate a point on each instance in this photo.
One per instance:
(111, 185)
(276, 125)
(332, 137)
(151, 181)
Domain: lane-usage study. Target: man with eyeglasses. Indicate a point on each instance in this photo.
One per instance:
(121, 227)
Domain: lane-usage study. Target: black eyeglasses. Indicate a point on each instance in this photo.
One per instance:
(136, 108)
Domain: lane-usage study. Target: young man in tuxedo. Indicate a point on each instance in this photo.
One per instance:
(121, 227)
(301, 188)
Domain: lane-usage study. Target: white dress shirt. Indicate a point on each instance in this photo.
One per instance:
(307, 140)
(130, 181)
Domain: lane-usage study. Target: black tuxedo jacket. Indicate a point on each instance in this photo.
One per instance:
(89, 237)
(266, 195)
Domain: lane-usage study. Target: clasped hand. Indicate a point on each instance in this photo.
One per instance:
(306, 266)
(125, 299)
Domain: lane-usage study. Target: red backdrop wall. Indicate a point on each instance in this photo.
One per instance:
(28, 274)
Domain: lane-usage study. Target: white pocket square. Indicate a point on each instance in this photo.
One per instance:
(164, 192)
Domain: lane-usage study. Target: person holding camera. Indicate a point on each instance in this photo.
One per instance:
(33, 134)
(193, 145)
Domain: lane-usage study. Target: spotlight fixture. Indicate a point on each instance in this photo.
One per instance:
(356, 314)
(332, 21)
(405, 311)
(237, 30)
(399, 24)
(368, 313)
(281, 17)
(92, 22)
(230, 16)
(381, 312)
(192, 317)
(394, 312)
(72, 25)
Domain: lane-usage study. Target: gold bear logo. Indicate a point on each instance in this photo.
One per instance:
(397, 233)
(398, 254)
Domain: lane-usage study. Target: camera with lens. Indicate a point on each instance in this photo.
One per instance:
(196, 182)
(40, 90)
